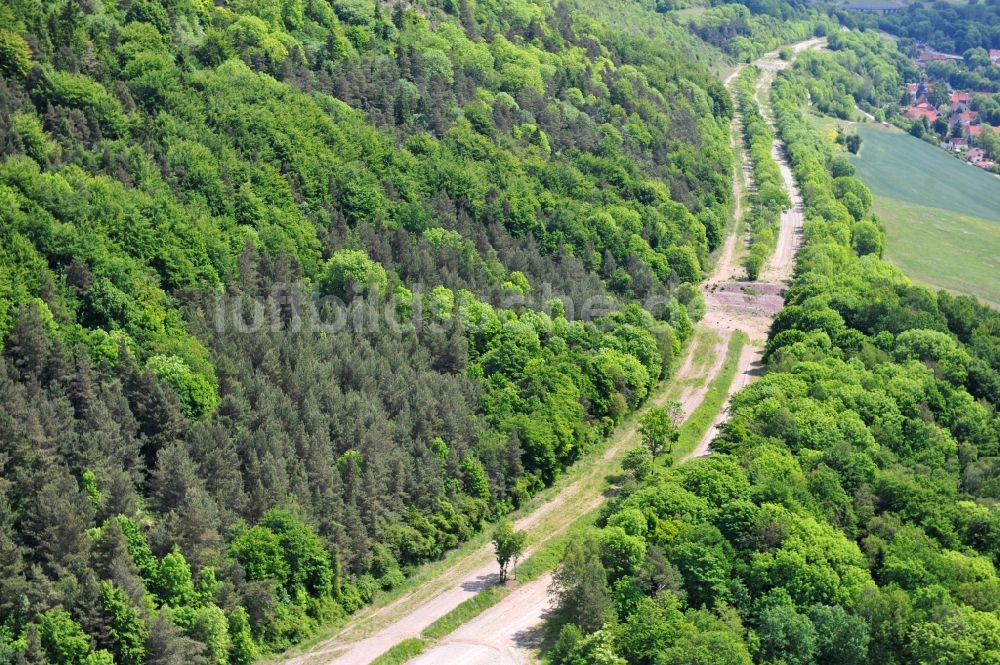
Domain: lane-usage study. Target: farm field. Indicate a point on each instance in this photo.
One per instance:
(942, 216)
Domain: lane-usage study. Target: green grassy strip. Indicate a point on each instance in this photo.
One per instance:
(694, 428)
(464, 612)
(545, 559)
(402, 652)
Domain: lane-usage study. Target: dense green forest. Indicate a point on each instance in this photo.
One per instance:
(298, 294)
(849, 512)
(952, 27)
(747, 34)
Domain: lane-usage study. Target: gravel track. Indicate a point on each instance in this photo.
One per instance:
(506, 632)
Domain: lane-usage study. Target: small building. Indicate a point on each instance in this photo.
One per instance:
(977, 130)
(918, 91)
(926, 54)
(959, 101)
(966, 119)
(995, 56)
(920, 110)
(957, 144)
(976, 155)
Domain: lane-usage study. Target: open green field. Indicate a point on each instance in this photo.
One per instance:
(942, 216)
(901, 167)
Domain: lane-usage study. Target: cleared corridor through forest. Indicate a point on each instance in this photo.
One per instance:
(505, 632)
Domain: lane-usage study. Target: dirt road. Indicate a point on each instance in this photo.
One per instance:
(505, 633)
(778, 268)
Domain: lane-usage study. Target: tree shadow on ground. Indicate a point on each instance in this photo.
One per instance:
(481, 582)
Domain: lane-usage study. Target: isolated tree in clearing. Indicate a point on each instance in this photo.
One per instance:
(659, 428)
(509, 546)
(638, 462)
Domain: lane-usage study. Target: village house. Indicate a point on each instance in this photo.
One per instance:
(957, 144)
(995, 56)
(922, 109)
(975, 131)
(918, 91)
(962, 119)
(925, 54)
(960, 101)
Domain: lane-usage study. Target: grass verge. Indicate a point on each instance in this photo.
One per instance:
(696, 426)
(466, 611)
(402, 652)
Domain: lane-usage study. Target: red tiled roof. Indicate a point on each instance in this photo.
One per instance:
(977, 130)
(918, 111)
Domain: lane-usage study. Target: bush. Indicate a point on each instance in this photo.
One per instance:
(197, 394)
(351, 270)
(15, 54)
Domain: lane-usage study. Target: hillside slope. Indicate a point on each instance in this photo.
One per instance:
(297, 294)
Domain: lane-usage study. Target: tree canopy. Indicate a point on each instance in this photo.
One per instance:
(296, 296)
(845, 514)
